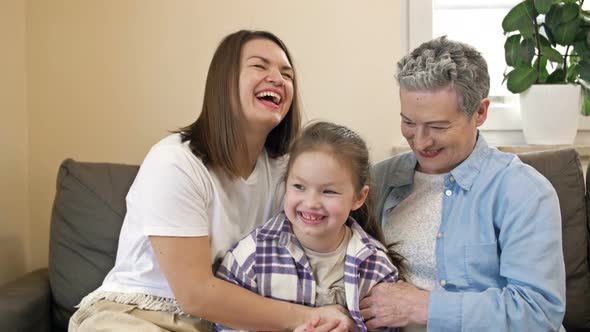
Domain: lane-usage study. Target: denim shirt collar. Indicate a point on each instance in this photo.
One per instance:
(468, 170)
(404, 174)
(464, 174)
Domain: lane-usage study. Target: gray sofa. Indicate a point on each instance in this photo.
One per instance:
(89, 208)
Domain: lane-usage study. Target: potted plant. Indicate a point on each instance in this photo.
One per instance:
(548, 48)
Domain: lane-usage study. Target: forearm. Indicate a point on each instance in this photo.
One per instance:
(512, 307)
(230, 305)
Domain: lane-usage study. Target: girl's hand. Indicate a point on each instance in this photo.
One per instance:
(329, 318)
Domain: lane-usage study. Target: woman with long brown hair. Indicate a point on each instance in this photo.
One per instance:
(200, 190)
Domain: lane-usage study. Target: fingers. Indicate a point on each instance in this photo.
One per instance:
(330, 326)
(309, 326)
(366, 301)
(367, 314)
(371, 324)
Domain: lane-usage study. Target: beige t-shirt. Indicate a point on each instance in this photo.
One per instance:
(328, 271)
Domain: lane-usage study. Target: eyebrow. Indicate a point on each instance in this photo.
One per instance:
(299, 179)
(266, 61)
(428, 122)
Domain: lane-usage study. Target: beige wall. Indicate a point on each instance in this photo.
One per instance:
(14, 219)
(108, 78)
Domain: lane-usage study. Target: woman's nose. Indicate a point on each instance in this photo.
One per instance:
(422, 139)
(275, 77)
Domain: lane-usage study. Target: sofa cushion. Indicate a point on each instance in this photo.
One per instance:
(85, 223)
(563, 169)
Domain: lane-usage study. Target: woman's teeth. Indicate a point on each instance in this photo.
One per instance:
(272, 96)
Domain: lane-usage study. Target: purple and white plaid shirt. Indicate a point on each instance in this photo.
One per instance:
(271, 262)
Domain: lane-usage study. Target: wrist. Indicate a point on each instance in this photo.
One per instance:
(297, 316)
(420, 310)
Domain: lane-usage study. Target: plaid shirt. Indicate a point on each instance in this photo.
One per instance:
(271, 262)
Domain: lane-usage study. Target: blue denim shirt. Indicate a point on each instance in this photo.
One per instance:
(498, 253)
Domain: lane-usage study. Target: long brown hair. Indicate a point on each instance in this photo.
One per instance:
(216, 137)
(350, 149)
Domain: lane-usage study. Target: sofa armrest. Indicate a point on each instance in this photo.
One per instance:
(25, 303)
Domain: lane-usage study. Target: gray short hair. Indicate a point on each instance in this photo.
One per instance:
(442, 62)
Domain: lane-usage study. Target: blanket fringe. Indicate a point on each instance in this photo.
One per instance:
(142, 301)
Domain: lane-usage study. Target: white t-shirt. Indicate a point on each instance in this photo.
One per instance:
(174, 194)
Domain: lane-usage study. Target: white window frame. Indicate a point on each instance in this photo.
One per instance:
(504, 123)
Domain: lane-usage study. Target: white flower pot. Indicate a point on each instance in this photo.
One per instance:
(550, 113)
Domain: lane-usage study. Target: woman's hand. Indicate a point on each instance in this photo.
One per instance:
(329, 318)
(395, 305)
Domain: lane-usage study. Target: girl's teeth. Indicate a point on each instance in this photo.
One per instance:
(310, 217)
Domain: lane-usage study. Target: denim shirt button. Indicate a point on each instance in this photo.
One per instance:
(439, 235)
(443, 283)
(448, 192)
(451, 178)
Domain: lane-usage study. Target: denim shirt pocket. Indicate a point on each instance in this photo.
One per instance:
(482, 265)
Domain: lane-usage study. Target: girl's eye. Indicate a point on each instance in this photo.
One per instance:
(298, 186)
(330, 192)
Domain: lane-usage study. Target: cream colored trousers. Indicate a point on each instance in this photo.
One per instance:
(105, 315)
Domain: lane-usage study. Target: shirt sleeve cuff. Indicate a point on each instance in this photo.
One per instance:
(444, 311)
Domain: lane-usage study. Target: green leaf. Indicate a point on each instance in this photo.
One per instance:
(570, 12)
(527, 51)
(527, 29)
(543, 73)
(512, 49)
(553, 17)
(549, 34)
(572, 73)
(519, 17)
(585, 101)
(560, 14)
(582, 49)
(543, 6)
(558, 76)
(544, 41)
(565, 34)
(521, 78)
(552, 54)
(584, 70)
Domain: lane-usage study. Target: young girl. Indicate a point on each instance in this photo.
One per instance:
(322, 248)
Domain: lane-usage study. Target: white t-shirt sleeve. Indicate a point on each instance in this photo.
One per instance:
(171, 193)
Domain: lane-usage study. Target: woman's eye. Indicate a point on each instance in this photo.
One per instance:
(438, 128)
(409, 123)
(288, 76)
(258, 66)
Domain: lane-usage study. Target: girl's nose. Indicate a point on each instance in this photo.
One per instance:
(312, 201)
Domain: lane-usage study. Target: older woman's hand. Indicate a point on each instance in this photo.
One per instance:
(394, 305)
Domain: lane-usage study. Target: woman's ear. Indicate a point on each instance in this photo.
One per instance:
(360, 199)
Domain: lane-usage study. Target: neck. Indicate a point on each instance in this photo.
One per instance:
(324, 244)
(254, 145)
